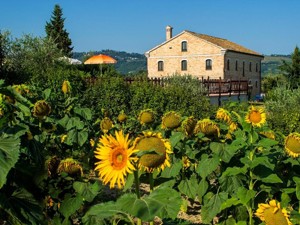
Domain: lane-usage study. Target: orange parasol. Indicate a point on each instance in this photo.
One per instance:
(100, 59)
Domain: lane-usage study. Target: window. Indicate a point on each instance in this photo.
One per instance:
(236, 65)
(208, 64)
(250, 66)
(243, 68)
(183, 65)
(160, 66)
(228, 64)
(184, 46)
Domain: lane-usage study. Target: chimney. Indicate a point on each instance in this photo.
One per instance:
(169, 32)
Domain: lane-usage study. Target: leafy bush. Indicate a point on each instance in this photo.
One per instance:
(284, 115)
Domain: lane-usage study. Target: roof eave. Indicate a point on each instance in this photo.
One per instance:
(147, 54)
(246, 53)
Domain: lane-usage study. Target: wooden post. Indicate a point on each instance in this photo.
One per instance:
(229, 88)
(219, 99)
(239, 90)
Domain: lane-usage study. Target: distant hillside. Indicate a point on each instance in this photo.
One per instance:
(271, 63)
(126, 62)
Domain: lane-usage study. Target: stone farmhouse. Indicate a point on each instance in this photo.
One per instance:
(205, 57)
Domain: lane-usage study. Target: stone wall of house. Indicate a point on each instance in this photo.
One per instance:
(198, 51)
(244, 67)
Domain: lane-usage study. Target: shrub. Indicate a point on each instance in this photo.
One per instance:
(284, 116)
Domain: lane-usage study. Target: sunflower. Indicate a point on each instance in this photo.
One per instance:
(256, 116)
(66, 87)
(207, 127)
(51, 165)
(122, 117)
(106, 124)
(115, 159)
(292, 144)
(171, 120)
(146, 116)
(272, 214)
(63, 138)
(186, 162)
(70, 166)
(268, 134)
(188, 125)
(3, 106)
(232, 127)
(161, 148)
(224, 115)
(22, 89)
(41, 109)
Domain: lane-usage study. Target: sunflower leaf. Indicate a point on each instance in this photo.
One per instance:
(97, 213)
(207, 165)
(172, 171)
(297, 181)
(163, 202)
(86, 190)
(189, 187)
(213, 207)
(70, 205)
(9, 155)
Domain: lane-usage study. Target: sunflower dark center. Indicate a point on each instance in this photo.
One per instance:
(255, 117)
(118, 158)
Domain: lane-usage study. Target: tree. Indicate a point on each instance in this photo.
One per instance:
(30, 58)
(292, 70)
(55, 30)
(2, 55)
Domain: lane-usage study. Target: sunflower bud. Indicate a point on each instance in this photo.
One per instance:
(70, 166)
(122, 117)
(292, 144)
(41, 109)
(207, 127)
(66, 87)
(188, 125)
(171, 120)
(146, 116)
(159, 150)
(106, 124)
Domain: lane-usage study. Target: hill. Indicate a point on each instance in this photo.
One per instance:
(130, 63)
(127, 63)
(271, 63)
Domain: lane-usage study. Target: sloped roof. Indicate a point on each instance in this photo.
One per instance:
(221, 42)
(224, 43)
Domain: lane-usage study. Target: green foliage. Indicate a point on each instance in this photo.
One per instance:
(110, 94)
(29, 58)
(292, 70)
(55, 31)
(9, 154)
(283, 116)
(272, 81)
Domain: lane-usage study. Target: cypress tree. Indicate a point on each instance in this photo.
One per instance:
(2, 55)
(55, 30)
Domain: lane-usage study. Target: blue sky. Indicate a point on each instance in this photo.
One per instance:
(265, 26)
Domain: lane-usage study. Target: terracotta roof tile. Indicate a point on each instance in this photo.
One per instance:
(223, 43)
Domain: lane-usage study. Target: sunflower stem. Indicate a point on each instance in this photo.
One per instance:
(137, 184)
(151, 181)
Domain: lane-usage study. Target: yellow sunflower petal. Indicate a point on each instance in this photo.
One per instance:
(115, 159)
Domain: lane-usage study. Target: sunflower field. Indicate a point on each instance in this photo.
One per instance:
(76, 152)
